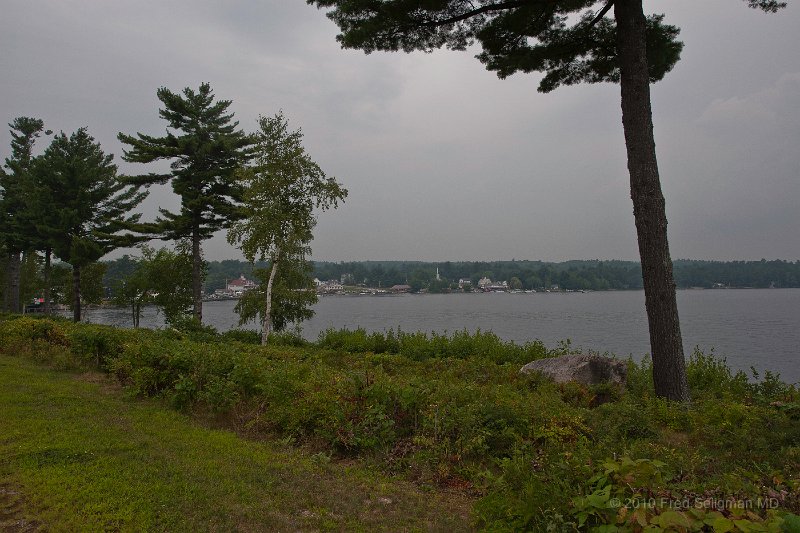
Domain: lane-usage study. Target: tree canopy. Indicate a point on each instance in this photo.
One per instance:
(570, 41)
(89, 205)
(17, 229)
(281, 191)
(15, 218)
(204, 147)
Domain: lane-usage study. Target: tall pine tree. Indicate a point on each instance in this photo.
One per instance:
(205, 148)
(16, 232)
(89, 204)
(570, 41)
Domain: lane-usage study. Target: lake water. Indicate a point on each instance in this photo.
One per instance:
(753, 327)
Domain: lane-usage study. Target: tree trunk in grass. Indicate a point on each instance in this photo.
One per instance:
(267, 321)
(76, 293)
(197, 276)
(13, 282)
(669, 366)
(47, 255)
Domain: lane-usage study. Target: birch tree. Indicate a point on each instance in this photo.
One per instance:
(282, 190)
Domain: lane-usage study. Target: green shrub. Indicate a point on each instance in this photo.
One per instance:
(709, 375)
(245, 336)
(630, 495)
(96, 345)
(30, 329)
(772, 389)
(285, 338)
(421, 346)
(624, 422)
(194, 329)
(640, 378)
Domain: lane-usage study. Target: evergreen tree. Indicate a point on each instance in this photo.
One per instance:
(571, 41)
(89, 204)
(16, 232)
(205, 148)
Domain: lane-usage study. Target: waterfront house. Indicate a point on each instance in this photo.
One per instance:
(237, 287)
(330, 286)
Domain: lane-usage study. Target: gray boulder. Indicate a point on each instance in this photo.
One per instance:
(582, 368)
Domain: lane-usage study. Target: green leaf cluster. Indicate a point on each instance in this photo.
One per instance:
(570, 41)
(162, 278)
(205, 148)
(85, 206)
(624, 497)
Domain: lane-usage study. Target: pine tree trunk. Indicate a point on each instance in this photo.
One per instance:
(14, 266)
(47, 254)
(76, 293)
(197, 275)
(267, 319)
(669, 366)
(7, 283)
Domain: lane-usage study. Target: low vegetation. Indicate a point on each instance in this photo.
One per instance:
(452, 413)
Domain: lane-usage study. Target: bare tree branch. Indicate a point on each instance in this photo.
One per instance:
(502, 6)
(602, 13)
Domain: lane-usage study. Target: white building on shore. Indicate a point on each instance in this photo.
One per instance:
(238, 286)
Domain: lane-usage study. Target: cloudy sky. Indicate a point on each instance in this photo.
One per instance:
(443, 161)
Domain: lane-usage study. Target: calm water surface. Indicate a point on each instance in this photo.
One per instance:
(751, 327)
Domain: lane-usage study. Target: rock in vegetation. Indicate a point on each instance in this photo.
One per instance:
(583, 368)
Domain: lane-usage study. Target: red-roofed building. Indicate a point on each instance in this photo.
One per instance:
(240, 285)
(400, 288)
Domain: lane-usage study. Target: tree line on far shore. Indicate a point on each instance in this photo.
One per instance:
(574, 275)
(112, 279)
(593, 275)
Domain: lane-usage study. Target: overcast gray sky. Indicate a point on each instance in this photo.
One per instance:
(443, 161)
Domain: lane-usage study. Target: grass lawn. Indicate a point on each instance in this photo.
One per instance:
(77, 454)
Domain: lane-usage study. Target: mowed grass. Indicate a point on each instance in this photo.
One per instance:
(84, 456)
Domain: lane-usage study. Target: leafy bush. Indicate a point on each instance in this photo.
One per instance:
(285, 338)
(97, 345)
(421, 346)
(630, 495)
(709, 375)
(246, 336)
